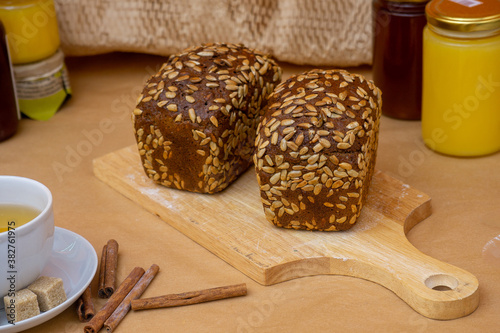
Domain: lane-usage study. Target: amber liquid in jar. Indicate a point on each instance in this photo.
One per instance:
(461, 77)
(397, 56)
(9, 116)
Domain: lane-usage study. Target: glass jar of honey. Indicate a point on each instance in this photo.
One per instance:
(41, 79)
(461, 77)
(397, 55)
(32, 29)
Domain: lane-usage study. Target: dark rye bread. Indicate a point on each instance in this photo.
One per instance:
(196, 120)
(315, 149)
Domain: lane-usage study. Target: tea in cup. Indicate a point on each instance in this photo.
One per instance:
(26, 231)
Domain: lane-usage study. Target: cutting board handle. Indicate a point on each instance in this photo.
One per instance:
(433, 288)
(381, 253)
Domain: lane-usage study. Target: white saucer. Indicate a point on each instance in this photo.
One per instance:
(74, 260)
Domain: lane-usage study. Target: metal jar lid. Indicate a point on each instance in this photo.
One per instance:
(477, 16)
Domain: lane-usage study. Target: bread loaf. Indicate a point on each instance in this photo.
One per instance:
(195, 121)
(315, 149)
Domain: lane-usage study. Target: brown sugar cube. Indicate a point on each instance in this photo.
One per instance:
(49, 290)
(22, 305)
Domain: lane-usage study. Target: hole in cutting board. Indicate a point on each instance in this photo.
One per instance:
(441, 288)
(441, 282)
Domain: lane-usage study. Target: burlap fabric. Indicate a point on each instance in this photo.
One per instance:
(316, 32)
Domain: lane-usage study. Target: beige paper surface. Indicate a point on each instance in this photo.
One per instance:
(463, 230)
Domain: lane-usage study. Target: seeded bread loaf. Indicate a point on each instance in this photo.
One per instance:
(195, 122)
(315, 149)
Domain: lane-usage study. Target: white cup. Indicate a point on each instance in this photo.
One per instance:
(29, 246)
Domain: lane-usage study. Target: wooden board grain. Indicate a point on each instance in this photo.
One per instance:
(232, 225)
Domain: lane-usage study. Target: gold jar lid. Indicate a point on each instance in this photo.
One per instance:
(464, 15)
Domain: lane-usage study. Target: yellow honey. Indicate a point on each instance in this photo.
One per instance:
(31, 27)
(461, 77)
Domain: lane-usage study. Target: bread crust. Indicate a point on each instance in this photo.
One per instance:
(316, 148)
(196, 119)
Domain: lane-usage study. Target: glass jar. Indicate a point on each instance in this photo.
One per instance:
(32, 29)
(9, 111)
(397, 55)
(461, 77)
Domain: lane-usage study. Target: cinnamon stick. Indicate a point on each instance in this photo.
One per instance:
(107, 273)
(102, 273)
(96, 323)
(112, 322)
(84, 306)
(188, 298)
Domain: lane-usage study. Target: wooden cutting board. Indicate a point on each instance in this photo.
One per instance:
(232, 225)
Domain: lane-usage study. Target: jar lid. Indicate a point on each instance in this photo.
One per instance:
(464, 15)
